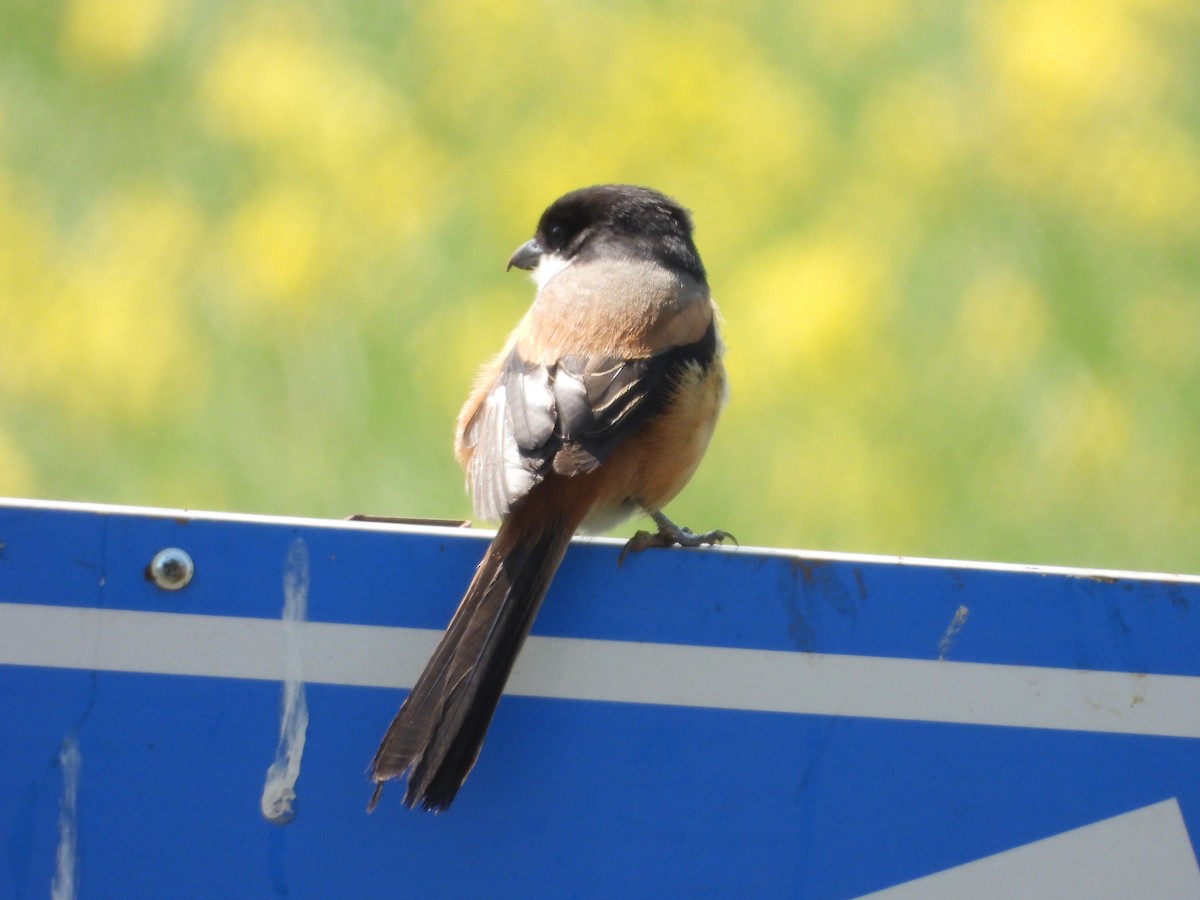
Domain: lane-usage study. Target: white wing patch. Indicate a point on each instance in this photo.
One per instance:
(499, 474)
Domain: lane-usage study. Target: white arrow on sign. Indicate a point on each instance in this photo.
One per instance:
(1144, 853)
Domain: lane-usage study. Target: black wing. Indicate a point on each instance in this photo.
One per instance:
(567, 417)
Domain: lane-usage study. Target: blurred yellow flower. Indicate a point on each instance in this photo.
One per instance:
(116, 33)
(842, 32)
(275, 79)
(914, 130)
(1066, 58)
(16, 474)
(97, 326)
(1085, 429)
(301, 100)
(1143, 180)
(118, 340)
(1162, 329)
(804, 306)
(277, 248)
(1075, 96)
(823, 458)
(28, 283)
(1001, 324)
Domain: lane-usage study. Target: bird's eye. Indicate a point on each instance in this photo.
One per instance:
(557, 234)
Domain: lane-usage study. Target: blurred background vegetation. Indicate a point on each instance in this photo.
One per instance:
(251, 253)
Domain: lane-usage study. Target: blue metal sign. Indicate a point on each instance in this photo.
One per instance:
(695, 723)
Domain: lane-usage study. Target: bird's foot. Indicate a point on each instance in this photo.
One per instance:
(671, 535)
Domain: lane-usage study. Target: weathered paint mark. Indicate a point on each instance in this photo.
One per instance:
(956, 624)
(279, 790)
(65, 885)
(861, 582)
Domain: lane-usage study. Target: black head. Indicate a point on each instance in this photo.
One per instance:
(614, 220)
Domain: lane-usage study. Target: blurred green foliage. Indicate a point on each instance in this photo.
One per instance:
(251, 254)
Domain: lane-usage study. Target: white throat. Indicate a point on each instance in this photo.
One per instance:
(548, 266)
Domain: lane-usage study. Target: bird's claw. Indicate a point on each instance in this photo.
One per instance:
(671, 535)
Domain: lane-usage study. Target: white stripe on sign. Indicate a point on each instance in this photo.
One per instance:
(619, 671)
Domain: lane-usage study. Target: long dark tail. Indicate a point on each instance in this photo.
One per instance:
(437, 734)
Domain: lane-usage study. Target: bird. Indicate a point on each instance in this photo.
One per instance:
(599, 407)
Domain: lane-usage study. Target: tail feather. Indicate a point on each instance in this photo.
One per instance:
(437, 734)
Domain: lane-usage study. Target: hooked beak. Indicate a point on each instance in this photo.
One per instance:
(526, 256)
